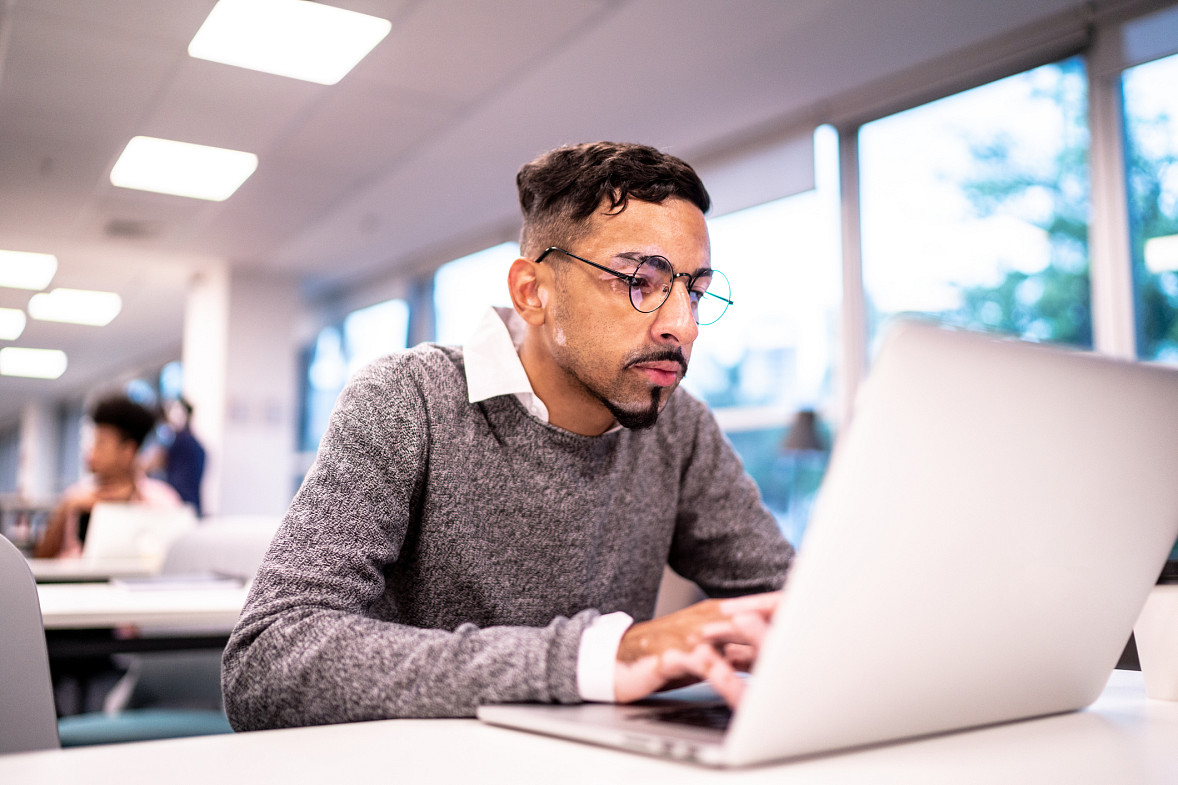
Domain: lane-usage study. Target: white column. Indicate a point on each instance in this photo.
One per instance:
(240, 374)
(37, 457)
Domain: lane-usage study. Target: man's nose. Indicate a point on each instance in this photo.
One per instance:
(674, 320)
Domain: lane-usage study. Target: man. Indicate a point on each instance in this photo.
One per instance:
(184, 456)
(120, 427)
(483, 524)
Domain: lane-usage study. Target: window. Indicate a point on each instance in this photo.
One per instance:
(975, 208)
(1151, 129)
(374, 331)
(466, 287)
(338, 352)
(772, 349)
(771, 355)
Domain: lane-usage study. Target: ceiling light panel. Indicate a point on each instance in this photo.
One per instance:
(309, 41)
(76, 306)
(32, 363)
(182, 169)
(12, 323)
(25, 270)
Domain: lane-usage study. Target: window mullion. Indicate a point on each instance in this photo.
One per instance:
(1111, 268)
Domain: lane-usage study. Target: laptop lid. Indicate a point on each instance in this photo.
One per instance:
(126, 532)
(989, 527)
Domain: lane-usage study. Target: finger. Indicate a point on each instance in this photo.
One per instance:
(740, 656)
(763, 604)
(747, 628)
(752, 626)
(725, 680)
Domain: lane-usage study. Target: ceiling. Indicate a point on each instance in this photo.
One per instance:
(411, 158)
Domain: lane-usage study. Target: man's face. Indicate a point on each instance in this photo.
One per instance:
(110, 455)
(627, 361)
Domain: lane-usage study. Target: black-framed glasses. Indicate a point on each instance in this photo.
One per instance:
(650, 285)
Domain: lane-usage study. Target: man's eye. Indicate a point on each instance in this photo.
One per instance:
(647, 283)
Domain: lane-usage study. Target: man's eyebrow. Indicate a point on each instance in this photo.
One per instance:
(638, 257)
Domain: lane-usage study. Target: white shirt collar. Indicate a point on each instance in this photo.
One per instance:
(493, 367)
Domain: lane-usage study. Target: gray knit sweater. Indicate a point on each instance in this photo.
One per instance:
(442, 554)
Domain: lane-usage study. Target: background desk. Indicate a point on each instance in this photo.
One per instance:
(166, 618)
(1123, 739)
(82, 570)
(90, 605)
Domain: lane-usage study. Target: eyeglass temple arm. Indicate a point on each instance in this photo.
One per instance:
(630, 279)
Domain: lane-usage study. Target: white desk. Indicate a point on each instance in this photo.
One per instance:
(77, 570)
(1123, 739)
(90, 605)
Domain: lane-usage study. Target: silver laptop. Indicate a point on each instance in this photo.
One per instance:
(989, 527)
(121, 532)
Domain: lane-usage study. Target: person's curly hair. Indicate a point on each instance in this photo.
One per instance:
(130, 419)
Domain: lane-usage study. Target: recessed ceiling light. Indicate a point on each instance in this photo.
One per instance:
(182, 169)
(25, 270)
(32, 363)
(303, 40)
(12, 323)
(76, 306)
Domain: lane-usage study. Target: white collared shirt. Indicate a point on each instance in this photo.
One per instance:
(493, 368)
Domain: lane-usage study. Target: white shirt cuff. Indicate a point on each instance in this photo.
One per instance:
(597, 655)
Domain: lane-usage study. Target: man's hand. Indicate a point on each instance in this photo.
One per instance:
(709, 641)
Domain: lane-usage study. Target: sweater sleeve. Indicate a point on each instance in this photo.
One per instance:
(309, 648)
(725, 539)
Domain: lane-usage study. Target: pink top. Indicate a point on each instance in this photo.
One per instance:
(148, 492)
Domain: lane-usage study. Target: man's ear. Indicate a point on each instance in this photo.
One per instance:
(529, 293)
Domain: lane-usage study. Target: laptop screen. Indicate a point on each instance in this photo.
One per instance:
(1170, 571)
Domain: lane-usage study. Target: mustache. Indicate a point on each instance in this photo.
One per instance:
(660, 355)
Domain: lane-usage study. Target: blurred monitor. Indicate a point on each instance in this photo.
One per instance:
(122, 532)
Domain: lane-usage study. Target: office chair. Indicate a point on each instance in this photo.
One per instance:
(171, 694)
(28, 721)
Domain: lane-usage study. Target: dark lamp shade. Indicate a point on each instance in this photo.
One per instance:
(803, 434)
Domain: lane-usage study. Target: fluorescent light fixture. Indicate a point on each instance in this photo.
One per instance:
(12, 323)
(182, 169)
(309, 41)
(32, 363)
(1161, 254)
(25, 270)
(76, 306)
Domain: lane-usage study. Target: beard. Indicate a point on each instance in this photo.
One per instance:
(637, 416)
(634, 407)
(632, 419)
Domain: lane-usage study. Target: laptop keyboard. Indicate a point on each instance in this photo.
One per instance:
(715, 716)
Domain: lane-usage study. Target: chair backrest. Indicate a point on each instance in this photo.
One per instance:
(229, 545)
(28, 720)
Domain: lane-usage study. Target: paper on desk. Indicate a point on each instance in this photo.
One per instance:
(179, 582)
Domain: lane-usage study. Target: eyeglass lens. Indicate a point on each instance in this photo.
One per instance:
(710, 292)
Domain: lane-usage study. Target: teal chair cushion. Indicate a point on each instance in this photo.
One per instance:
(140, 725)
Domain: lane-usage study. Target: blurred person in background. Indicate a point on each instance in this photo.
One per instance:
(112, 457)
(180, 458)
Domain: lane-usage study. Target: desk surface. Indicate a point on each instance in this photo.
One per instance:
(88, 605)
(71, 570)
(1123, 738)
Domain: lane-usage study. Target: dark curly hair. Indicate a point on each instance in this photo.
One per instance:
(560, 190)
(130, 419)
